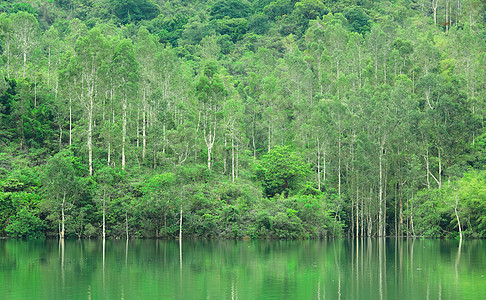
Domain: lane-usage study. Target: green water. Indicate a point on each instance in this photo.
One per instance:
(330, 269)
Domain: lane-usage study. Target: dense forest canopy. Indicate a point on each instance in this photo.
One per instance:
(262, 119)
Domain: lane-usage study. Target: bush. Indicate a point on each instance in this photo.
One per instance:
(25, 224)
(288, 225)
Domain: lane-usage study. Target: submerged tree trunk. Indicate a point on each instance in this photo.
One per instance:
(63, 217)
(104, 215)
(381, 221)
(126, 223)
(457, 217)
(180, 226)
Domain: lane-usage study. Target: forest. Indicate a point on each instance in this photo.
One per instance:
(242, 118)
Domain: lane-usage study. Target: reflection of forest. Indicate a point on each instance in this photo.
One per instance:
(341, 268)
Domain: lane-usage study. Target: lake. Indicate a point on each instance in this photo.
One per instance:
(328, 269)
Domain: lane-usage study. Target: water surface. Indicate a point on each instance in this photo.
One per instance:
(329, 269)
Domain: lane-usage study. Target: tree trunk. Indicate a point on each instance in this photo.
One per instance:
(56, 85)
(126, 223)
(457, 216)
(232, 158)
(49, 66)
(209, 156)
(209, 138)
(370, 220)
(110, 130)
(357, 206)
(269, 137)
(138, 127)
(25, 62)
(90, 135)
(253, 137)
(60, 137)
(180, 226)
(63, 217)
(447, 16)
(458, 223)
(104, 215)
(7, 49)
(440, 168)
(318, 164)
(324, 165)
(427, 167)
(124, 132)
(400, 212)
(144, 132)
(70, 123)
(164, 138)
(339, 166)
(435, 4)
(237, 160)
(380, 196)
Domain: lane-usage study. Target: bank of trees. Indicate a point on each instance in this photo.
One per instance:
(265, 119)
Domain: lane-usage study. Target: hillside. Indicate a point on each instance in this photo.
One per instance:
(261, 119)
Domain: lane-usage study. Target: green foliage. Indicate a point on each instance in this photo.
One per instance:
(168, 29)
(16, 7)
(256, 118)
(435, 210)
(230, 8)
(129, 11)
(7, 208)
(60, 179)
(235, 28)
(477, 157)
(310, 9)
(24, 221)
(279, 8)
(358, 20)
(259, 5)
(472, 195)
(259, 23)
(287, 225)
(210, 88)
(25, 224)
(280, 171)
(124, 67)
(26, 117)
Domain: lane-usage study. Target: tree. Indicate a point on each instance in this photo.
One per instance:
(309, 9)
(280, 171)
(25, 224)
(52, 48)
(124, 69)
(129, 11)
(60, 184)
(212, 95)
(25, 32)
(230, 8)
(6, 37)
(358, 20)
(146, 49)
(158, 200)
(90, 51)
(472, 195)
